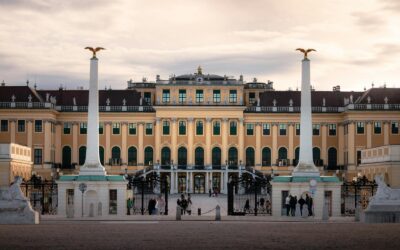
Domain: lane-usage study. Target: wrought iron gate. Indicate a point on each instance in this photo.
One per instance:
(148, 189)
(42, 194)
(357, 193)
(249, 194)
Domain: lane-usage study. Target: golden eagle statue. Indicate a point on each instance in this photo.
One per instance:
(94, 50)
(305, 52)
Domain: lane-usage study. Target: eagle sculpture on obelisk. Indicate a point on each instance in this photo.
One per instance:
(94, 50)
(305, 51)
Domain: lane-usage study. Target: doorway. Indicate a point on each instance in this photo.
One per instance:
(199, 184)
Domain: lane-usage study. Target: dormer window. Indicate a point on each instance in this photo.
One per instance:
(199, 79)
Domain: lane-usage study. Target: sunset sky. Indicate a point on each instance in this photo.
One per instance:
(357, 41)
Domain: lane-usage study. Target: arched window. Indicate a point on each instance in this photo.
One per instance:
(182, 156)
(115, 155)
(216, 156)
(250, 157)
(199, 156)
(266, 157)
(282, 153)
(165, 156)
(66, 157)
(332, 158)
(148, 156)
(101, 154)
(233, 156)
(317, 156)
(132, 156)
(296, 156)
(82, 155)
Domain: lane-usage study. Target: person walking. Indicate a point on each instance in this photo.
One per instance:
(247, 206)
(129, 205)
(183, 204)
(189, 205)
(209, 192)
(292, 203)
(309, 203)
(161, 205)
(301, 202)
(287, 204)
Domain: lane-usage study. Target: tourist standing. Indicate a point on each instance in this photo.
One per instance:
(129, 205)
(301, 202)
(309, 203)
(189, 205)
(209, 192)
(247, 206)
(293, 202)
(287, 204)
(161, 205)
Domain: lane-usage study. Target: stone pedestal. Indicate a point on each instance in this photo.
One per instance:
(326, 189)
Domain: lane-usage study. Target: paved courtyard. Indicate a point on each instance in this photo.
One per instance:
(199, 235)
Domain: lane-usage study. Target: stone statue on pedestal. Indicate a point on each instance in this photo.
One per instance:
(15, 207)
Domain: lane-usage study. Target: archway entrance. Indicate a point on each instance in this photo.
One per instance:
(199, 184)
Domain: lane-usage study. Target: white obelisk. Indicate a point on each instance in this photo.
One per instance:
(306, 166)
(92, 164)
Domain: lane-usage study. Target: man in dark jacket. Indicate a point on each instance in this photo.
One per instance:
(301, 202)
(293, 202)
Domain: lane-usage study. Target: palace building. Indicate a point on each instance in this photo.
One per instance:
(198, 128)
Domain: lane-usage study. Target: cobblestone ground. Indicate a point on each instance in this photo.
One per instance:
(199, 235)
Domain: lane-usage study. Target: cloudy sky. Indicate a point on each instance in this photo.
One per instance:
(358, 41)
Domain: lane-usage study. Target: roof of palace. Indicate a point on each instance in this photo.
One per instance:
(21, 94)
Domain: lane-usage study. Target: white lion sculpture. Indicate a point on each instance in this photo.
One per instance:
(384, 192)
(14, 191)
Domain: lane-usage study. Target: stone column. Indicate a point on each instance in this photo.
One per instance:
(124, 148)
(140, 144)
(47, 141)
(92, 164)
(190, 132)
(157, 134)
(226, 181)
(350, 146)
(208, 142)
(221, 181)
(172, 182)
(174, 140)
(207, 187)
(386, 132)
(324, 149)
(258, 145)
(225, 134)
(176, 181)
(274, 153)
(306, 165)
(12, 130)
(340, 150)
(107, 149)
(369, 133)
(191, 183)
(241, 140)
(291, 139)
(75, 134)
(58, 157)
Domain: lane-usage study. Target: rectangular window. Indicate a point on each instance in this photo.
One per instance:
(233, 128)
(37, 156)
(377, 127)
(360, 128)
(67, 128)
(165, 96)
(315, 129)
(149, 128)
(147, 97)
(38, 126)
(266, 129)
(297, 128)
(282, 129)
(232, 96)
(182, 128)
(250, 129)
(217, 128)
(4, 126)
(346, 129)
(165, 127)
(199, 96)
(395, 127)
(216, 96)
(199, 128)
(116, 128)
(132, 128)
(252, 97)
(113, 201)
(21, 126)
(83, 128)
(332, 129)
(182, 95)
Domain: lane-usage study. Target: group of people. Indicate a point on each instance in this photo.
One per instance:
(263, 205)
(185, 204)
(291, 203)
(155, 206)
(213, 193)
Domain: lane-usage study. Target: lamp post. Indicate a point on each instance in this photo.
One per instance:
(82, 188)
